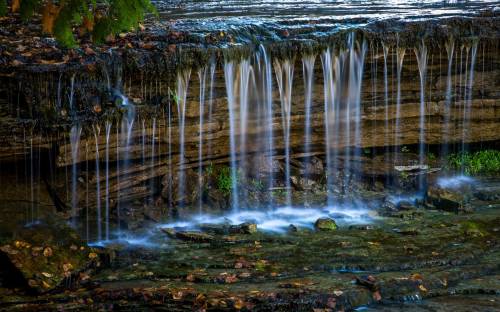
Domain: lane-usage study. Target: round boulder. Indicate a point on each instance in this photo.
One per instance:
(325, 224)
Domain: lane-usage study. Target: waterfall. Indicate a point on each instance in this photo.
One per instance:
(181, 98)
(468, 99)
(32, 180)
(245, 72)
(284, 77)
(211, 102)
(153, 155)
(450, 47)
(106, 216)
(400, 55)
(229, 73)
(267, 88)
(72, 94)
(421, 54)
(330, 111)
(308, 72)
(169, 154)
(75, 133)
(385, 50)
(87, 224)
(127, 125)
(202, 76)
(143, 141)
(97, 132)
(356, 65)
(118, 176)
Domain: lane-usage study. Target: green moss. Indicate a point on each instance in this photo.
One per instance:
(482, 162)
(118, 16)
(225, 180)
(3, 7)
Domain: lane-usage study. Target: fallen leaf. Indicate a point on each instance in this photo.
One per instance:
(48, 275)
(89, 51)
(46, 285)
(16, 4)
(47, 252)
(177, 295)
(49, 15)
(67, 267)
(416, 277)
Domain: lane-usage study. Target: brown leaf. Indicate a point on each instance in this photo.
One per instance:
(89, 51)
(16, 4)
(88, 23)
(416, 277)
(177, 295)
(47, 252)
(49, 14)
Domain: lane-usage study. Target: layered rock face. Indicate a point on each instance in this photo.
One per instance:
(115, 132)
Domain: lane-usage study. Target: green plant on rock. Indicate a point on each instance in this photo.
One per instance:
(257, 184)
(485, 162)
(225, 180)
(209, 170)
(3, 8)
(404, 175)
(100, 18)
(173, 95)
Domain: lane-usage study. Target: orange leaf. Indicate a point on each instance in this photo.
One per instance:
(16, 4)
(49, 15)
(88, 23)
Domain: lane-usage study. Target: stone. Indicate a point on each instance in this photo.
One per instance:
(451, 198)
(224, 229)
(325, 224)
(190, 236)
(244, 228)
(45, 256)
(405, 205)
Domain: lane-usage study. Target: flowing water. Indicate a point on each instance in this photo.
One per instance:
(75, 134)
(202, 76)
(421, 54)
(181, 98)
(308, 73)
(280, 116)
(284, 77)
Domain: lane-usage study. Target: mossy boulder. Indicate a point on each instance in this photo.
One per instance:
(244, 228)
(451, 198)
(44, 257)
(325, 224)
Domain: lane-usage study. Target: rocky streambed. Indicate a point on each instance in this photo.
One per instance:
(226, 158)
(406, 257)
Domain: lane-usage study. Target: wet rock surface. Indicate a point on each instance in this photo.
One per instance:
(45, 256)
(415, 263)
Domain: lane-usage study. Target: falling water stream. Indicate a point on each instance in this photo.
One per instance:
(181, 99)
(264, 124)
(421, 54)
(284, 76)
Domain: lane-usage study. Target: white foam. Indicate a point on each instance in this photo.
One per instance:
(454, 182)
(278, 219)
